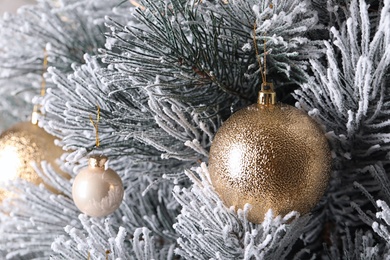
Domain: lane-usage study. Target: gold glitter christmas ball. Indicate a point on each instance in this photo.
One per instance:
(21, 146)
(97, 191)
(272, 156)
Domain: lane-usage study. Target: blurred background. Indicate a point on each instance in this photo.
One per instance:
(11, 6)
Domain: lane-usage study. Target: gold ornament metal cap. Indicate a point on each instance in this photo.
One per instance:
(267, 95)
(97, 161)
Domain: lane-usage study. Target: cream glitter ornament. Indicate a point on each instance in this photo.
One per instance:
(271, 156)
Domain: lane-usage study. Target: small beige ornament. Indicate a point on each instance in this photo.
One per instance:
(271, 156)
(97, 191)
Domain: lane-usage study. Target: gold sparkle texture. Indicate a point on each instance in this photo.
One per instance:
(270, 157)
(21, 146)
(97, 191)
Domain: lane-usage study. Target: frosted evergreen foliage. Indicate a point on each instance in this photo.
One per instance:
(65, 30)
(349, 97)
(211, 45)
(33, 219)
(209, 230)
(166, 75)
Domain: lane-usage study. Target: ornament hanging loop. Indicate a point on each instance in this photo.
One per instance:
(96, 125)
(267, 95)
(263, 69)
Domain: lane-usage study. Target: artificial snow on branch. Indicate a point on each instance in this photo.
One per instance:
(349, 97)
(209, 230)
(66, 30)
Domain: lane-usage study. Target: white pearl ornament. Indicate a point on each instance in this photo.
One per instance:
(97, 191)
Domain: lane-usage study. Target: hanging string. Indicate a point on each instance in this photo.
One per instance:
(96, 125)
(263, 70)
(267, 95)
(107, 253)
(35, 113)
(136, 4)
(44, 69)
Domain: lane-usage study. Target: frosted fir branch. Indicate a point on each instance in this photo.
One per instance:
(349, 97)
(378, 219)
(204, 45)
(284, 27)
(151, 126)
(65, 30)
(148, 204)
(182, 126)
(55, 180)
(362, 71)
(18, 112)
(384, 215)
(153, 208)
(379, 172)
(181, 61)
(35, 216)
(380, 225)
(148, 200)
(210, 230)
(75, 99)
(143, 250)
(333, 13)
(102, 240)
(143, 246)
(357, 246)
